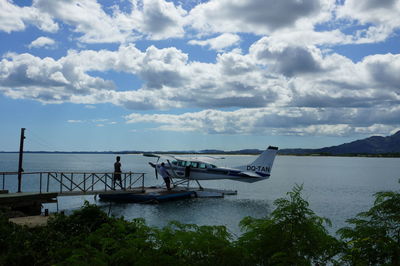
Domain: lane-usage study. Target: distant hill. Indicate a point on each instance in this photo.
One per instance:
(372, 145)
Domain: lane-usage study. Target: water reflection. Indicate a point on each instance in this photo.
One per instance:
(227, 211)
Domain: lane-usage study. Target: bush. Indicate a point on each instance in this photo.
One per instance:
(89, 237)
(374, 238)
(190, 244)
(292, 235)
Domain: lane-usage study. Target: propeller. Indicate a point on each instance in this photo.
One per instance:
(155, 168)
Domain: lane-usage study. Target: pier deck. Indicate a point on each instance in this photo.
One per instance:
(28, 203)
(51, 185)
(161, 194)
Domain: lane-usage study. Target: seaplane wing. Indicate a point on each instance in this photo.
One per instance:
(155, 155)
(166, 157)
(205, 168)
(151, 155)
(199, 159)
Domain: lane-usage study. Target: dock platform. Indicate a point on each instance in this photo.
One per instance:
(160, 194)
(51, 185)
(148, 197)
(28, 203)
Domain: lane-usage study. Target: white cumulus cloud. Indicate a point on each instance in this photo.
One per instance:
(219, 43)
(288, 121)
(42, 42)
(257, 16)
(274, 62)
(380, 18)
(15, 18)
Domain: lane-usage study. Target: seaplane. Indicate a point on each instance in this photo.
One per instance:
(182, 169)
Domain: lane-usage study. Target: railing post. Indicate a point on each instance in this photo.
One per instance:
(143, 183)
(4, 180)
(92, 181)
(61, 180)
(84, 182)
(48, 181)
(72, 178)
(40, 189)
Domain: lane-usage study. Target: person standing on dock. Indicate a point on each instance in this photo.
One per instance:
(165, 176)
(117, 172)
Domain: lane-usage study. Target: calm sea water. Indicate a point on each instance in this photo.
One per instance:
(336, 187)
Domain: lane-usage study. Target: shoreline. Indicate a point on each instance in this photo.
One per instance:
(379, 155)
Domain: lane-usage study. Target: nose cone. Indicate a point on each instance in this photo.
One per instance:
(152, 164)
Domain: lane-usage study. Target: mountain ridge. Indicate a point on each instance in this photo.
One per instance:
(372, 145)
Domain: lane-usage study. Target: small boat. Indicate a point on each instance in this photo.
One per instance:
(152, 197)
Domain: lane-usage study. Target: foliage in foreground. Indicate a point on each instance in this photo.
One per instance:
(292, 235)
(374, 238)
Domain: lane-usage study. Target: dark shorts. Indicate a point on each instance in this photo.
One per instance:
(117, 176)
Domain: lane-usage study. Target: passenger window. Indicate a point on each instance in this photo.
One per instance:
(202, 165)
(174, 162)
(195, 165)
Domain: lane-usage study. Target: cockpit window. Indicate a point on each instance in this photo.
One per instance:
(193, 164)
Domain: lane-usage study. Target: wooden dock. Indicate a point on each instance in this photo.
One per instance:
(27, 203)
(55, 184)
(50, 185)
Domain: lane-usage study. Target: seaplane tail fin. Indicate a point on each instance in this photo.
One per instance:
(264, 162)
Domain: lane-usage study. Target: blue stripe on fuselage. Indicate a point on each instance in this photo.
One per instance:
(228, 172)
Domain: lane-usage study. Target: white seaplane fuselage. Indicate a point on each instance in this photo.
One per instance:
(204, 169)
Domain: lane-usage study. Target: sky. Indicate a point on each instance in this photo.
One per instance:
(97, 75)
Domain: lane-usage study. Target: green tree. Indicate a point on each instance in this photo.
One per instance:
(374, 238)
(292, 235)
(15, 244)
(190, 244)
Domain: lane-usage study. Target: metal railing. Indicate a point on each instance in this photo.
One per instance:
(79, 182)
